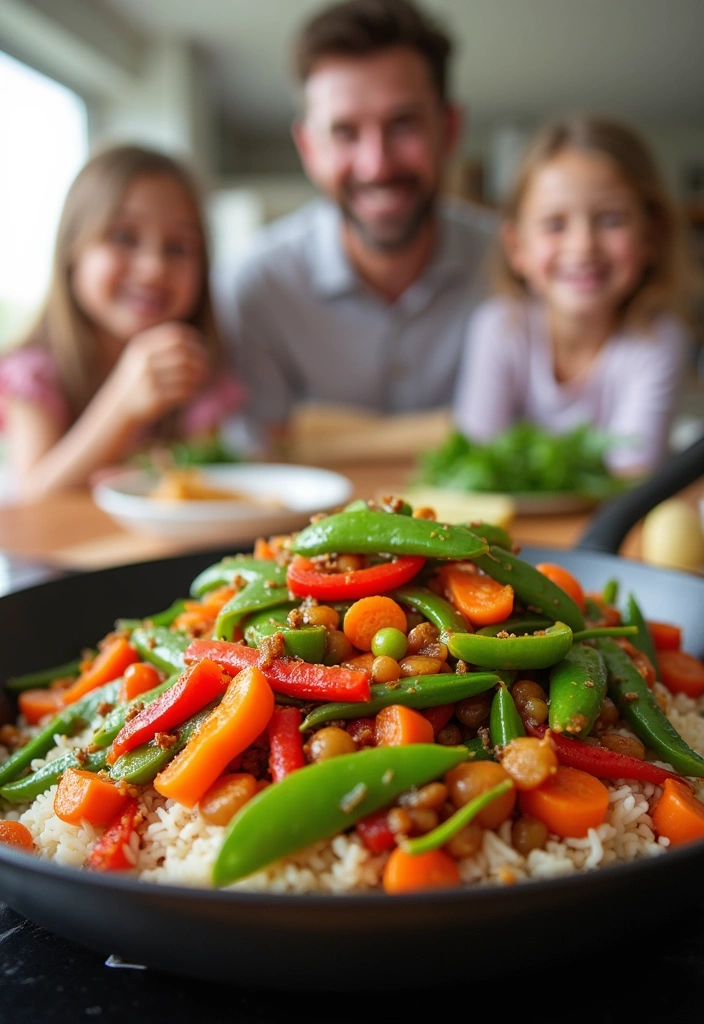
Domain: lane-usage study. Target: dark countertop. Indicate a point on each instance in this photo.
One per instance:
(48, 980)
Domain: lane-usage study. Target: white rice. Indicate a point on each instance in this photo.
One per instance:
(176, 845)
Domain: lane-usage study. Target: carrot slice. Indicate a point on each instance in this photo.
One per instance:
(14, 833)
(82, 794)
(570, 802)
(139, 677)
(681, 672)
(263, 550)
(678, 814)
(397, 725)
(35, 704)
(406, 872)
(564, 579)
(370, 614)
(666, 636)
(109, 664)
(479, 597)
(240, 717)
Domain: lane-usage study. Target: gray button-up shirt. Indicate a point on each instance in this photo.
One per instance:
(303, 326)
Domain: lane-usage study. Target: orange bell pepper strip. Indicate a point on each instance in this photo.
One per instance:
(678, 814)
(195, 688)
(109, 663)
(108, 854)
(81, 794)
(285, 675)
(240, 717)
(481, 599)
(665, 635)
(35, 704)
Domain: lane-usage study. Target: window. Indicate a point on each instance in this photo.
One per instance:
(43, 127)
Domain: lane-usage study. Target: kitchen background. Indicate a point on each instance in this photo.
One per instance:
(210, 81)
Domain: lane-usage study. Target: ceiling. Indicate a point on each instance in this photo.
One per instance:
(516, 60)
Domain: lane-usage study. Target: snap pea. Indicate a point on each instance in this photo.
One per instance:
(524, 622)
(633, 616)
(491, 533)
(161, 646)
(46, 676)
(639, 708)
(115, 719)
(68, 722)
(435, 608)
(540, 650)
(452, 825)
(305, 642)
(370, 532)
(597, 631)
(143, 764)
(413, 692)
(265, 588)
(532, 588)
(479, 750)
(29, 787)
(504, 721)
(609, 594)
(577, 690)
(165, 618)
(335, 794)
(224, 573)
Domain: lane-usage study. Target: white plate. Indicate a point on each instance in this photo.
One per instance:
(302, 490)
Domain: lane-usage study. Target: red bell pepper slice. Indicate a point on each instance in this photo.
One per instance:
(197, 686)
(285, 675)
(108, 854)
(285, 742)
(605, 764)
(303, 581)
(375, 833)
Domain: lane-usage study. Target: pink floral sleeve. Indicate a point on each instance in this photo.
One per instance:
(30, 373)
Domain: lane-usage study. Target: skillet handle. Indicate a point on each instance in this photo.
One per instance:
(614, 519)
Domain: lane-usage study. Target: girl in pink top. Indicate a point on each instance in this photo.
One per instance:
(125, 352)
(591, 282)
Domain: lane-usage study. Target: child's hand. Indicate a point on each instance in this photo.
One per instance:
(160, 370)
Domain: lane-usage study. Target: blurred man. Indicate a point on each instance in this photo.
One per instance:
(362, 296)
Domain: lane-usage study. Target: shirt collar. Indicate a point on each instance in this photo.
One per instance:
(333, 275)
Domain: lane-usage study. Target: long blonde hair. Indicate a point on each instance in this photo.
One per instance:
(667, 283)
(91, 203)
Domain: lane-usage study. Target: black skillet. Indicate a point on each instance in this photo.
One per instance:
(347, 942)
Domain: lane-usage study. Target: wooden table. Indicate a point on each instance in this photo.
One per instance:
(68, 530)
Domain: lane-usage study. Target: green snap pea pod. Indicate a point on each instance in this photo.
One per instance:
(332, 795)
(633, 616)
(504, 721)
(639, 708)
(165, 618)
(577, 690)
(598, 631)
(452, 825)
(435, 608)
(525, 622)
(31, 786)
(161, 646)
(305, 642)
(532, 588)
(143, 764)
(69, 721)
(265, 587)
(592, 611)
(115, 719)
(609, 594)
(478, 750)
(224, 573)
(540, 650)
(358, 505)
(388, 532)
(44, 678)
(492, 533)
(413, 692)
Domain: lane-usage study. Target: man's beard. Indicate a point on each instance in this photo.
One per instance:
(392, 234)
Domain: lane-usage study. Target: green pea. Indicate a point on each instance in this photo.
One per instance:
(390, 643)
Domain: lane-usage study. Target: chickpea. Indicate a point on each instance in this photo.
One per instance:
(628, 745)
(526, 689)
(466, 842)
(470, 779)
(528, 834)
(421, 635)
(385, 670)
(321, 615)
(424, 513)
(423, 819)
(534, 711)
(337, 647)
(361, 662)
(419, 665)
(435, 650)
(349, 563)
(223, 799)
(529, 761)
(449, 736)
(329, 742)
(608, 714)
(472, 711)
(399, 821)
(432, 796)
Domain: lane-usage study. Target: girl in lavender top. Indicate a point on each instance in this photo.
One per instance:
(588, 322)
(125, 353)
